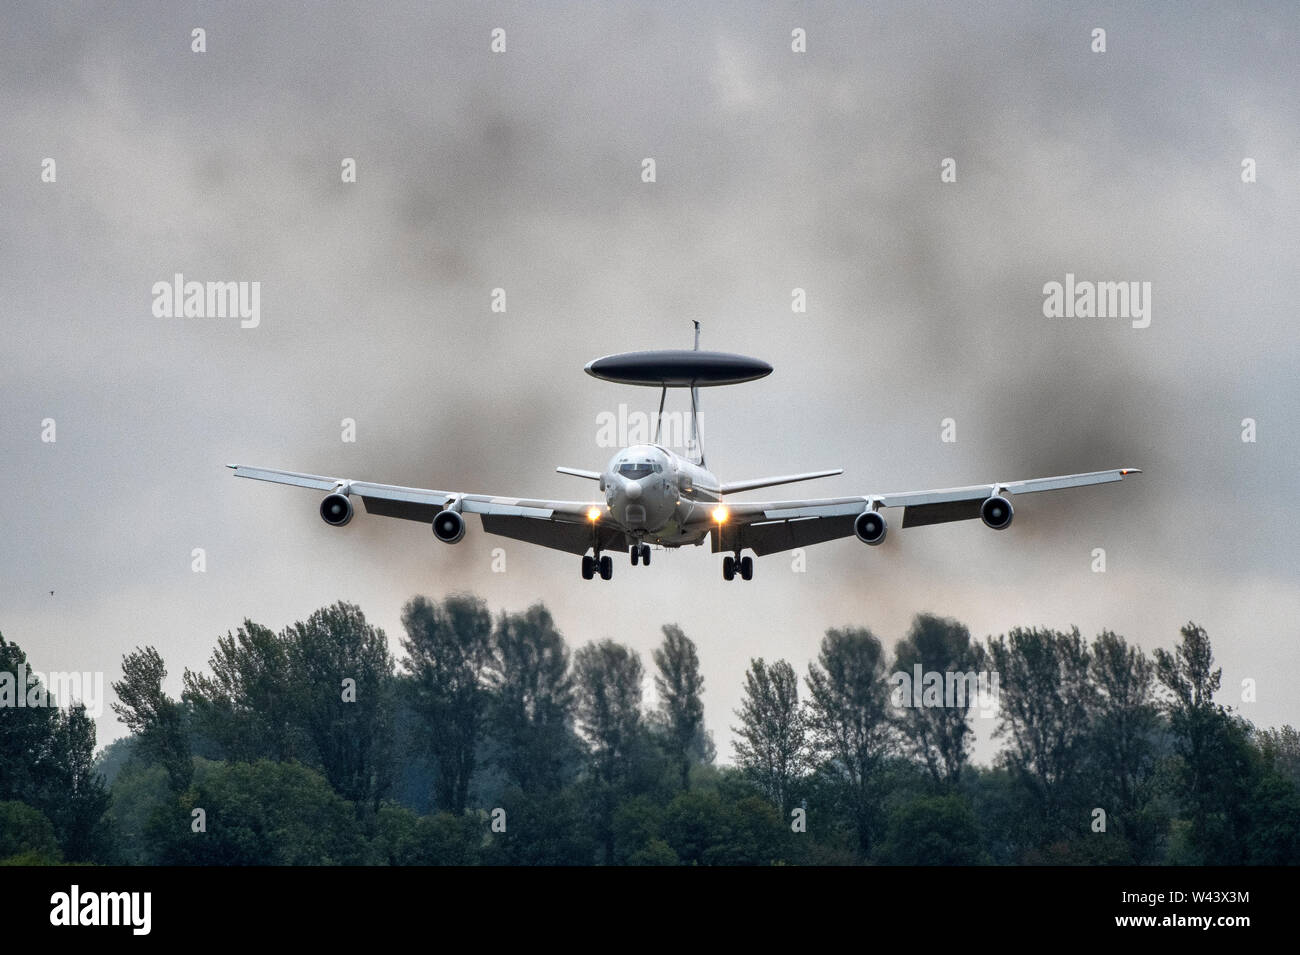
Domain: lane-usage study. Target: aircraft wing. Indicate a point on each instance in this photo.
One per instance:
(768, 527)
(563, 525)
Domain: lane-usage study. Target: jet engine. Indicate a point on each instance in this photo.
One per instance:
(449, 527)
(870, 527)
(996, 512)
(336, 509)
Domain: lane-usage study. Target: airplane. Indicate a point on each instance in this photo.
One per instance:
(653, 495)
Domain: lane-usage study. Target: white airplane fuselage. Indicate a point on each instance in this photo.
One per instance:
(655, 495)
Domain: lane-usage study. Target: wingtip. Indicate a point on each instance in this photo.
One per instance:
(1125, 472)
(232, 466)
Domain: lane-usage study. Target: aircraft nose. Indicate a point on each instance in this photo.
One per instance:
(633, 491)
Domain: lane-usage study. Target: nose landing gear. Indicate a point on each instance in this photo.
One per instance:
(640, 553)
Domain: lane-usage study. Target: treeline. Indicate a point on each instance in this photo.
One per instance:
(492, 743)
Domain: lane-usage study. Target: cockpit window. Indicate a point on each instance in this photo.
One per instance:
(635, 470)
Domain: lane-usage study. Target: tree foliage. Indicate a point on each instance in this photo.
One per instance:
(851, 722)
(939, 736)
(771, 745)
(1045, 701)
(449, 650)
(285, 751)
(679, 686)
(532, 701)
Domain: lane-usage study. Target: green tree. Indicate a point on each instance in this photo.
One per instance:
(543, 829)
(80, 798)
(998, 800)
(679, 685)
(154, 717)
(25, 731)
(114, 757)
(532, 707)
(1219, 767)
(449, 650)
(939, 736)
(1124, 747)
(1045, 697)
(702, 827)
(849, 714)
(608, 680)
(261, 813)
(47, 758)
(1281, 746)
(27, 836)
(771, 747)
(1273, 820)
(932, 830)
(405, 838)
(247, 705)
(142, 803)
(342, 675)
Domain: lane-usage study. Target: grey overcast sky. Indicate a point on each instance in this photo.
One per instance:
(775, 170)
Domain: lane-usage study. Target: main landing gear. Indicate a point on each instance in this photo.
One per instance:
(732, 564)
(593, 565)
(641, 553)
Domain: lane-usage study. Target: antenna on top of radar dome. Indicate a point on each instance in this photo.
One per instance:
(695, 446)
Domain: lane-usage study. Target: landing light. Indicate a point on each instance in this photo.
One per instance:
(593, 514)
(720, 514)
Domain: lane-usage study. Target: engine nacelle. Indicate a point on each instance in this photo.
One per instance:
(336, 510)
(997, 512)
(870, 527)
(448, 527)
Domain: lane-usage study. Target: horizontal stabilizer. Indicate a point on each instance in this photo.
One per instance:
(578, 472)
(734, 486)
(317, 481)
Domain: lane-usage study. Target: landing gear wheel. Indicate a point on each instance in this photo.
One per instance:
(728, 568)
(636, 554)
(645, 554)
(746, 566)
(606, 567)
(588, 567)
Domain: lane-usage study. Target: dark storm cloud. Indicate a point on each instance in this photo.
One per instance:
(775, 171)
